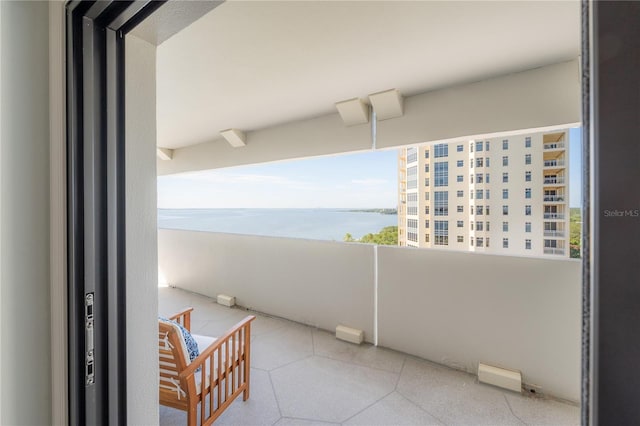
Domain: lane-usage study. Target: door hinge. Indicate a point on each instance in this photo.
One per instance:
(89, 348)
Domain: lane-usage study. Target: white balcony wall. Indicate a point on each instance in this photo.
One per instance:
(459, 309)
(452, 308)
(320, 283)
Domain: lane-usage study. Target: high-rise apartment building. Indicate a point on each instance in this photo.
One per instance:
(507, 195)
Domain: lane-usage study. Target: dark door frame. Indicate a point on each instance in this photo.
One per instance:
(96, 232)
(95, 33)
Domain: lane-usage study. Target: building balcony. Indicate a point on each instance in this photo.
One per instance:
(558, 233)
(553, 146)
(553, 215)
(421, 350)
(553, 163)
(554, 180)
(554, 198)
(554, 250)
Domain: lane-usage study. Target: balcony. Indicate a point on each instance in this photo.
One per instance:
(414, 313)
(301, 374)
(554, 250)
(554, 163)
(554, 180)
(553, 198)
(559, 234)
(554, 145)
(548, 215)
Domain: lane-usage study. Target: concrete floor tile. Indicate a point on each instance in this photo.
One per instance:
(540, 411)
(393, 410)
(452, 396)
(288, 421)
(325, 344)
(328, 390)
(281, 347)
(260, 409)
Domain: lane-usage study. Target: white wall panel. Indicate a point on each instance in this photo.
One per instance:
(319, 283)
(459, 309)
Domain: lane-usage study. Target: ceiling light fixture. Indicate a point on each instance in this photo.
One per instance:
(387, 104)
(235, 137)
(353, 111)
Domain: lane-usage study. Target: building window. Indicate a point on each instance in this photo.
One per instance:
(460, 148)
(479, 242)
(479, 177)
(460, 239)
(527, 227)
(412, 203)
(527, 176)
(441, 232)
(426, 154)
(527, 210)
(486, 211)
(486, 162)
(471, 164)
(505, 194)
(479, 146)
(479, 162)
(505, 160)
(460, 209)
(487, 194)
(471, 225)
(487, 243)
(460, 223)
(426, 196)
(426, 209)
(527, 244)
(479, 210)
(479, 226)
(426, 223)
(460, 193)
(441, 173)
(441, 150)
(505, 144)
(426, 181)
(505, 177)
(505, 210)
(412, 155)
(527, 193)
(460, 163)
(479, 194)
(441, 203)
(527, 142)
(459, 178)
(426, 168)
(426, 238)
(505, 243)
(471, 147)
(471, 241)
(486, 146)
(488, 228)
(505, 226)
(527, 159)
(487, 178)
(471, 194)
(412, 177)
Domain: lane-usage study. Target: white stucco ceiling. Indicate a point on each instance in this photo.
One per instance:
(250, 65)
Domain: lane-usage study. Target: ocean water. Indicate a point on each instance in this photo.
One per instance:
(316, 224)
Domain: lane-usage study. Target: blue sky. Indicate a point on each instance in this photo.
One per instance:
(361, 180)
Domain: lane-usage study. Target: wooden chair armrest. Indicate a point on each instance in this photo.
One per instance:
(183, 318)
(208, 352)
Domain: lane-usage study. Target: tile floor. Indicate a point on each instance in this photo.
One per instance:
(304, 376)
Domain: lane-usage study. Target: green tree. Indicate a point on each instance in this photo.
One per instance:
(575, 232)
(388, 236)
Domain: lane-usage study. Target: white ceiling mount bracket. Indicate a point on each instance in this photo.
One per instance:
(235, 137)
(165, 154)
(353, 111)
(387, 104)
